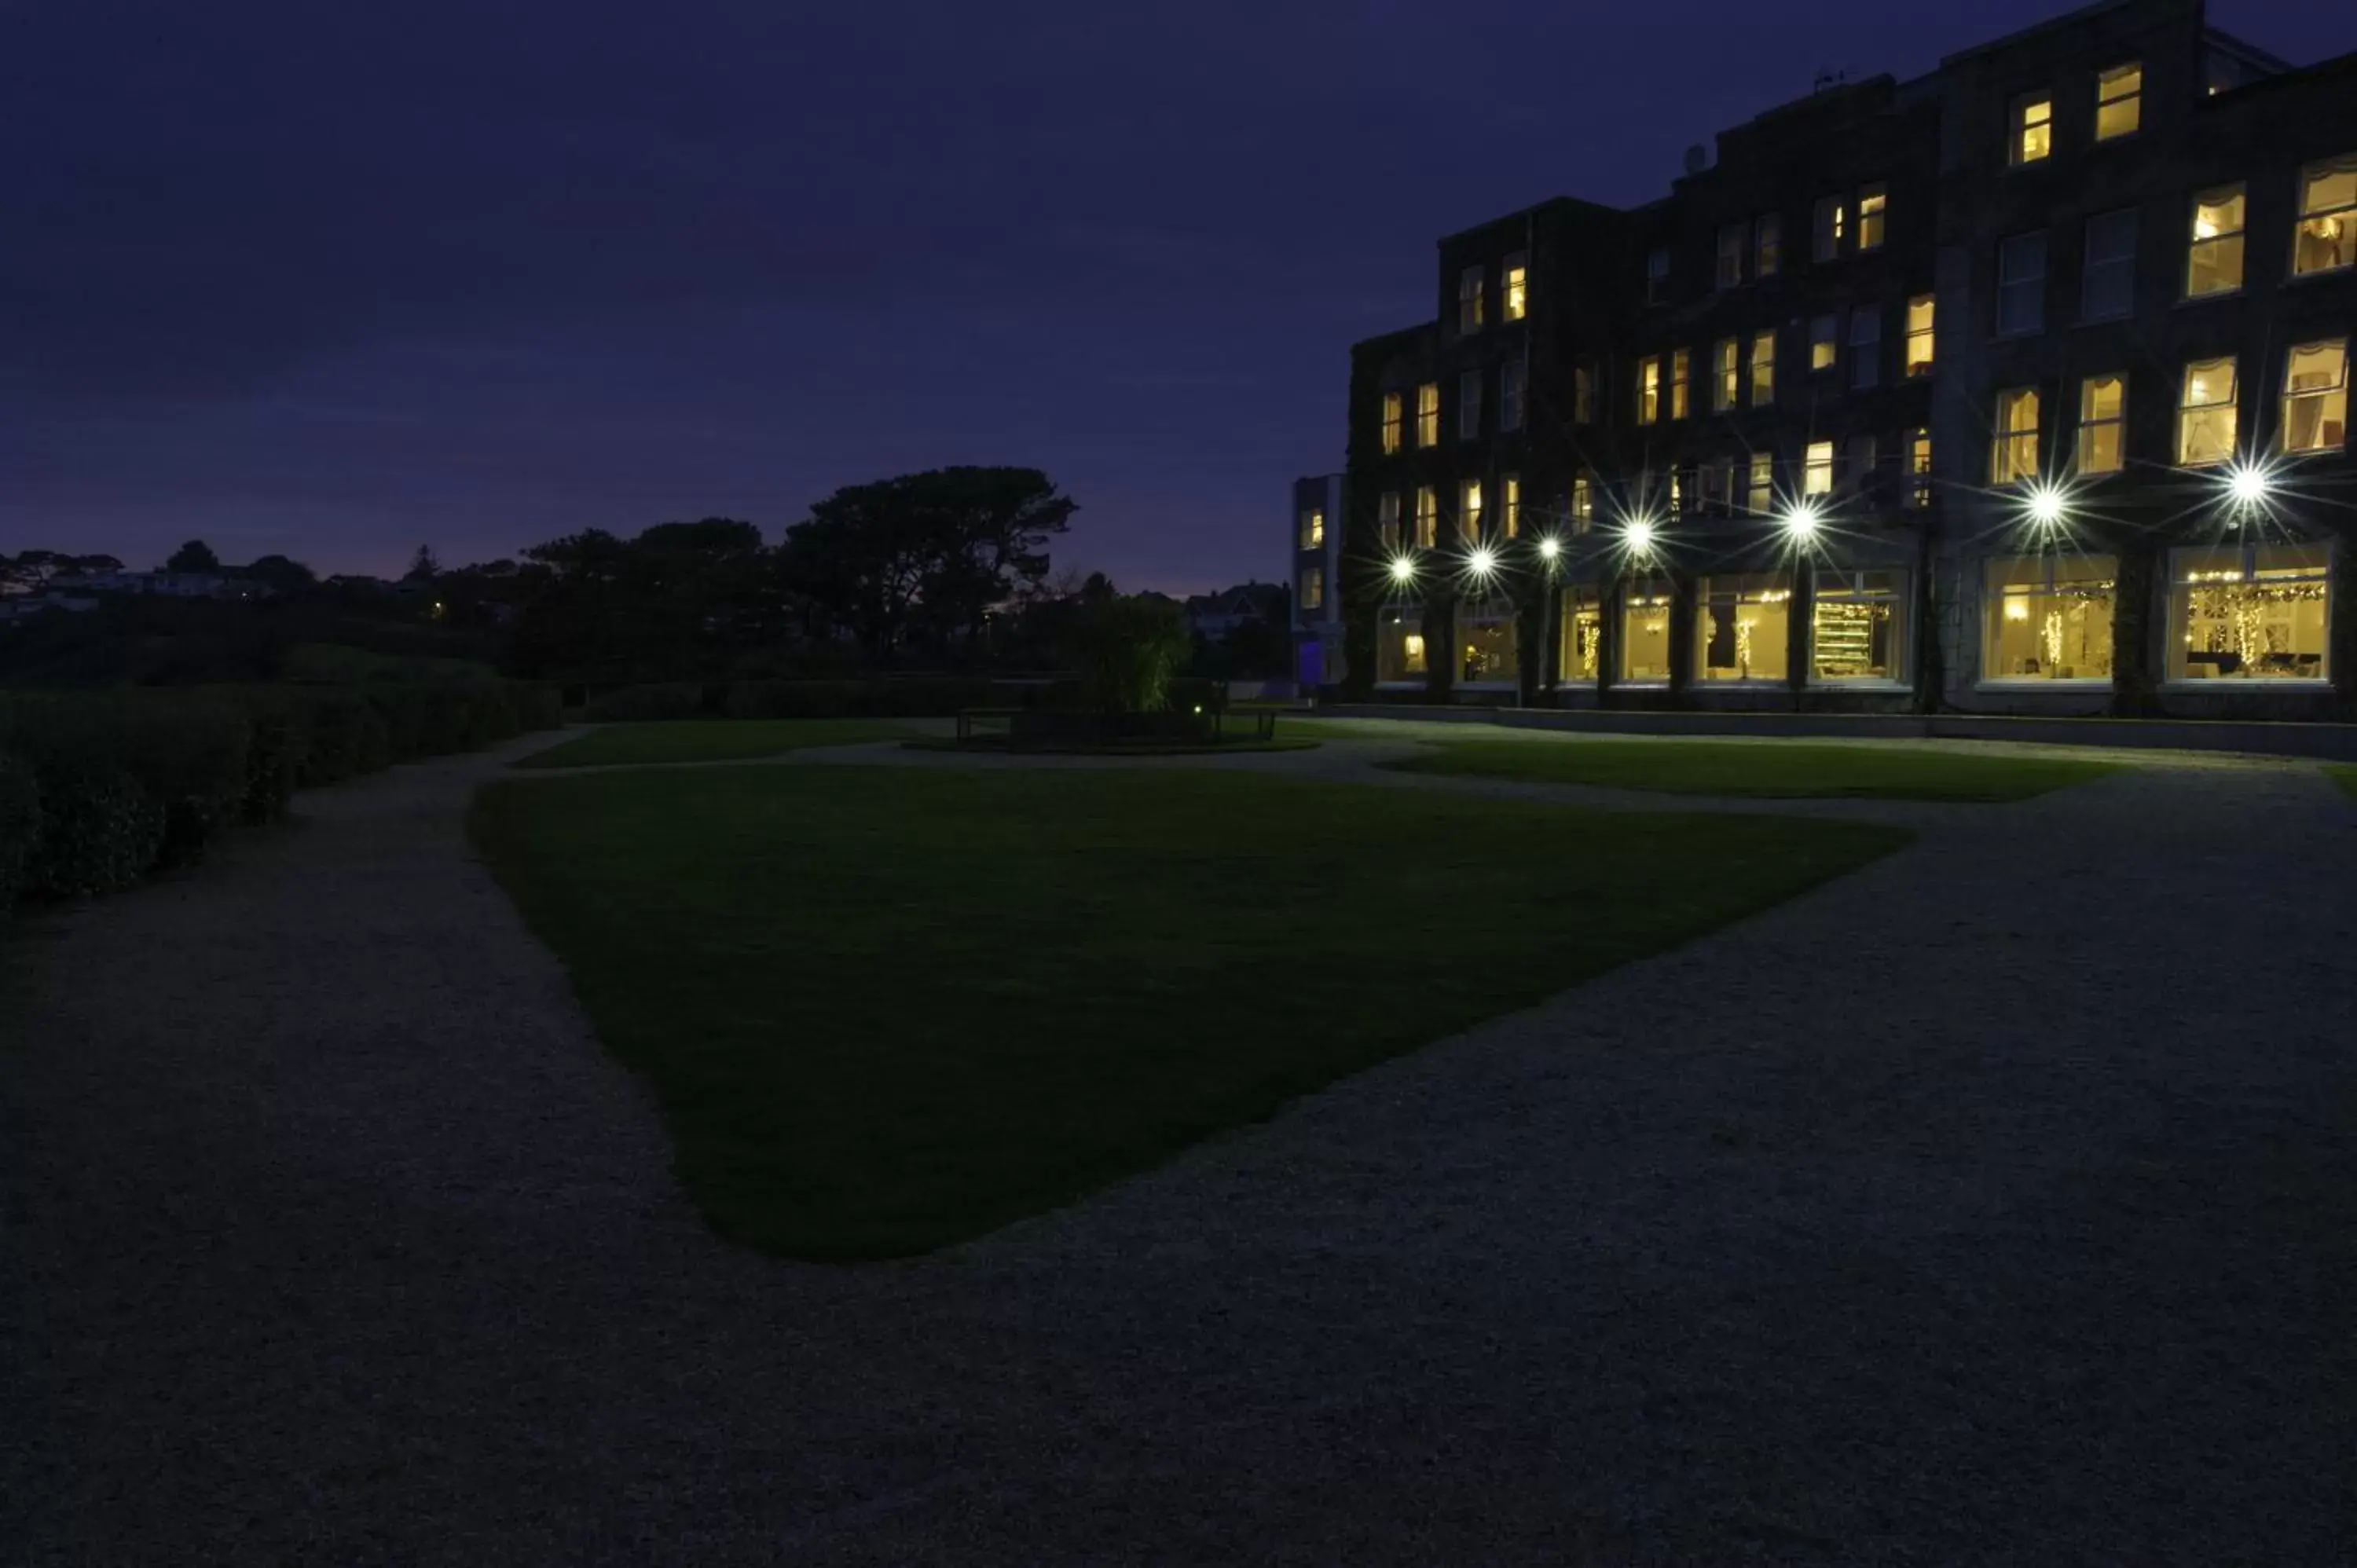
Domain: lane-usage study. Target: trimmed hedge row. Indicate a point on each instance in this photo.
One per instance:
(98, 789)
(896, 698)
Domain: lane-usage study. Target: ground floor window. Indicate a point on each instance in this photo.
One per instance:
(1583, 634)
(2049, 618)
(2248, 612)
(1645, 632)
(1743, 626)
(1486, 640)
(1857, 628)
(1399, 645)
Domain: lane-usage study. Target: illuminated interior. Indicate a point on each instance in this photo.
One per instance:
(2249, 613)
(2033, 130)
(1313, 529)
(1727, 374)
(2205, 413)
(1428, 517)
(1583, 634)
(2213, 260)
(1648, 390)
(1762, 494)
(1468, 510)
(2327, 217)
(1509, 487)
(1583, 503)
(1394, 420)
(1743, 626)
(1399, 645)
(2049, 617)
(1485, 643)
(1517, 288)
(1872, 215)
(2103, 414)
(1387, 521)
(1645, 632)
(2316, 397)
(2119, 100)
(1919, 467)
(1825, 333)
(1763, 369)
(1858, 627)
(1678, 367)
(1918, 334)
(1313, 588)
(1817, 472)
(2013, 451)
(1427, 414)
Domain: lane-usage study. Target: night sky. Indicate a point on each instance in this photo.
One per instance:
(337, 280)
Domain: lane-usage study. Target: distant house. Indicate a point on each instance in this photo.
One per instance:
(1215, 617)
(170, 584)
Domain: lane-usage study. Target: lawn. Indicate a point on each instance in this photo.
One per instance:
(887, 1009)
(1767, 769)
(2346, 776)
(709, 740)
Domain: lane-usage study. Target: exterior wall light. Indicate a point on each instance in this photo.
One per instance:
(1802, 520)
(1550, 548)
(2250, 484)
(2046, 506)
(1638, 535)
(1403, 569)
(1481, 560)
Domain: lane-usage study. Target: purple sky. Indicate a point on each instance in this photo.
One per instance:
(337, 280)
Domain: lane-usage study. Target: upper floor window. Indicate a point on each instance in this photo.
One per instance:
(1583, 502)
(1872, 217)
(1866, 347)
(1759, 491)
(1582, 393)
(2213, 258)
(1518, 288)
(1817, 470)
(2032, 134)
(1387, 521)
(2205, 413)
(2107, 286)
(1313, 529)
(1657, 276)
(1648, 390)
(1468, 407)
(1394, 422)
(1469, 510)
(1726, 374)
(2316, 397)
(2012, 451)
(1825, 341)
(2021, 284)
(2327, 239)
(1313, 588)
(1468, 300)
(1767, 245)
(1918, 334)
(1678, 368)
(1428, 517)
(1832, 222)
(1730, 256)
(1427, 414)
(1919, 469)
(2102, 419)
(1510, 495)
(2119, 100)
(1763, 369)
(1513, 388)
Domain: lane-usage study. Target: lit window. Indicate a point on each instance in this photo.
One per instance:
(2107, 286)
(2252, 612)
(1513, 388)
(2013, 451)
(1486, 642)
(1468, 407)
(1645, 632)
(1648, 390)
(1919, 469)
(2033, 129)
(1677, 491)
(2049, 617)
(1865, 348)
(1678, 365)
(1583, 632)
(1469, 510)
(1767, 245)
(1583, 503)
(1428, 517)
(2021, 284)
(1657, 276)
(1730, 255)
(1871, 217)
(1825, 341)
(1313, 588)
(1313, 530)
(2103, 423)
(1510, 489)
(1393, 421)
(2213, 259)
(1468, 300)
(2316, 397)
(1387, 521)
(1761, 491)
(1919, 336)
(1763, 369)
(1856, 630)
(1742, 626)
(1817, 472)
(2327, 217)
(1727, 374)
(1833, 218)
(1399, 645)
(1427, 414)
(2119, 100)
(1518, 288)
(2205, 413)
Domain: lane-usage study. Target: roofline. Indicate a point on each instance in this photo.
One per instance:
(2052, 24)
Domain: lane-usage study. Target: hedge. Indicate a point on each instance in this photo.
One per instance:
(638, 705)
(906, 696)
(20, 825)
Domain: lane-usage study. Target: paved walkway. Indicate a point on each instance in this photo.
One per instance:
(1995, 1204)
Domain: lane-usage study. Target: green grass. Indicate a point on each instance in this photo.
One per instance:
(709, 740)
(887, 1009)
(1767, 769)
(2345, 774)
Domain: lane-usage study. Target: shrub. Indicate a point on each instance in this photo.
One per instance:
(537, 706)
(20, 825)
(185, 752)
(1129, 649)
(101, 832)
(640, 704)
(342, 734)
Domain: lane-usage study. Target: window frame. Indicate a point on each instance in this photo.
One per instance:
(1824, 332)
(1726, 374)
(2239, 195)
(2183, 583)
(1427, 415)
(2048, 587)
(1469, 402)
(1726, 276)
(1771, 587)
(1657, 275)
(1759, 484)
(1510, 504)
(2091, 265)
(1514, 287)
(2190, 413)
(2328, 394)
(1387, 522)
(1848, 586)
(2007, 249)
(1312, 530)
(1648, 390)
(1395, 423)
(1681, 381)
(1513, 394)
(1865, 348)
(1312, 588)
(1469, 509)
(1472, 290)
(2007, 436)
(1915, 367)
(1767, 244)
(2018, 124)
(2117, 423)
(1828, 222)
(1428, 517)
(1873, 216)
(1918, 458)
(2133, 98)
(2345, 215)
(1761, 392)
(1817, 466)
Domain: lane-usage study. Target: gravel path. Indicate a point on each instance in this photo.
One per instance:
(1995, 1204)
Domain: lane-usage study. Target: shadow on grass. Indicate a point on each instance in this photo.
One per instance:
(1760, 769)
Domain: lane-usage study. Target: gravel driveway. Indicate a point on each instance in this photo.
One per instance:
(1995, 1204)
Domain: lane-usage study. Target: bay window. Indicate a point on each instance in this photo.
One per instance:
(1399, 645)
(1742, 626)
(1583, 634)
(1858, 627)
(2249, 612)
(1645, 632)
(2049, 617)
(1486, 642)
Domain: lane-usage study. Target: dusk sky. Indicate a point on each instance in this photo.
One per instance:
(337, 280)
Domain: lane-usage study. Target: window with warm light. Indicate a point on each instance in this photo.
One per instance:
(1313, 529)
(1427, 414)
(1518, 288)
(1657, 276)
(1387, 521)
(1399, 645)
(1730, 256)
(2206, 413)
(2107, 283)
(2021, 286)
(1510, 495)
(1919, 469)
(1583, 633)
(1395, 423)
(1583, 503)
(2316, 397)
(2013, 450)
(1742, 626)
(1678, 367)
(1727, 374)
(1513, 394)
(1468, 407)
(1468, 510)
(2119, 100)
(1817, 470)
(1767, 245)
(1919, 336)
(1865, 348)
(1582, 393)
(1648, 390)
(2103, 425)
(1645, 604)
(2249, 612)
(1428, 517)
(1486, 642)
(2049, 617)
(1763, 369)
(1760, 495)
(1313, 588)
(1832, 222)
(1858, 627)
(1872, 217)
(1469, 293)
(2327, 238)
(2033, 129)
(1825, 342)
(2213, 257)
